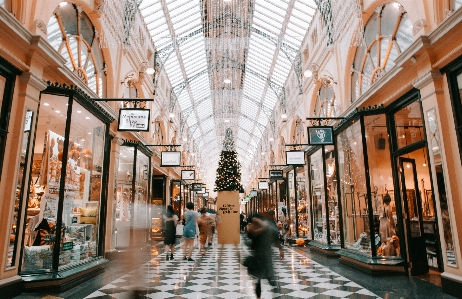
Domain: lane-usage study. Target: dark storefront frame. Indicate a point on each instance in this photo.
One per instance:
(74, 95)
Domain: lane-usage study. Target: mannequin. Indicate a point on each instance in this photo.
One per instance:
(387, 224)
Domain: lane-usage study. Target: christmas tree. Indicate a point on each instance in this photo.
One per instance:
(229, 169)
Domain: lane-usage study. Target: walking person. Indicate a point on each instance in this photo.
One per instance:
(189, 232)
(170, 222)
(263, 233)
(205, 224)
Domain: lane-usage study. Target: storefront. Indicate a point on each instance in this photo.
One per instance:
(132, 214)
(67, 201)
(326, 235)
(385, 188)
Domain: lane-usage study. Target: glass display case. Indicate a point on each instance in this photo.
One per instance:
(64, 203)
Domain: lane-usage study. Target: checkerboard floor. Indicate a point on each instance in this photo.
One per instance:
(220, 274)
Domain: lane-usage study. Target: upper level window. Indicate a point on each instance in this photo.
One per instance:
(326, 103)
(387, 34)
(457, 4)
(2, 3)
(72, 34)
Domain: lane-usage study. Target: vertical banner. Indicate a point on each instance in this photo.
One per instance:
(228, 217)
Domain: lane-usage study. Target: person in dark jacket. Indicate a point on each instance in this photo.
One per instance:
(170, 222)
(263, 233)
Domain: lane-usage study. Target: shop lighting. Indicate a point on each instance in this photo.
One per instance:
(63, 3)
(79, 111)
(46, 104)
(89, 133)
(57, 111)
(227, 81)
(284, 115)
(271, 139)
(150, 71)
(171, 115)
(87, 117)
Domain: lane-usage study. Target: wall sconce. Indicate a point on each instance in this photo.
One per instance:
(311, 71)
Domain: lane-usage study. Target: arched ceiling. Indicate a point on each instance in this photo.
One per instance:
(202, 44)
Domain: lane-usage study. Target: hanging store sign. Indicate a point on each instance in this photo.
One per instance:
(253, 193)
(170, 159)
(202, 191)
(134, 119)
(187, 175)
(28, 121)
(320, 135)
(263, 185)
(295, 158)
(276, 175)
(196, 187)
(206, 194)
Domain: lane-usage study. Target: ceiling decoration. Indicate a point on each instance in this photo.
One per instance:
(227, 62)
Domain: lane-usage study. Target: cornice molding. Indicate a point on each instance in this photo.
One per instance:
(13, 24)
(33, 81)
(445, 26)
(426, 79)
(421, 42)
(18, 63)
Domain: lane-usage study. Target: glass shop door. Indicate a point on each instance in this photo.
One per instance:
(412, 199)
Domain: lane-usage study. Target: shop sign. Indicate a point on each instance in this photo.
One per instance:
(134, 119)
(187, 175)
(196, 187)
(276, 175)
(206, 194)
(320, 135)
(67, 246)
(28, 121)
(263, 185)
(295, 158)
(170, 159)
(202, 191)
(253, 193)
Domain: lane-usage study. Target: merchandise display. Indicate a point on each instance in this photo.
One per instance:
(81, 179)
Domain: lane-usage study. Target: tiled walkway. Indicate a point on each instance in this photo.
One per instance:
(220, 275)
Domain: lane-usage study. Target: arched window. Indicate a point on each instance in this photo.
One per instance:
(72, 34)
(387, 34)
(326, 103)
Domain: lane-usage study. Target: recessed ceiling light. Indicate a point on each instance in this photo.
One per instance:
(46, 104)
(57, 111)
(308, 73)
(89, 133)
(284, 115)
(63, 3)
(227, 81)
(87, 117)
(79, 111)
(150, 71)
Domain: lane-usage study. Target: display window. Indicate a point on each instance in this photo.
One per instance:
(326, 221)
(353, 192)
(302, 207)
(291, 211)
(132, 211)
(64, 204)
(444, 202)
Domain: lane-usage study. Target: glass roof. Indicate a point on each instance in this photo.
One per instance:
(205, 46)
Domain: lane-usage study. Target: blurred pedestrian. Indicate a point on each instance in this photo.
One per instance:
(189, 232)
(263, 234)
(170, 222)
(205, 224)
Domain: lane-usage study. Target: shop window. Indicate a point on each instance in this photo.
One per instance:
(291, 203)
(72, 34)
(387, 34)
(326, 103)
(132, 211)
(318, 197)
(385, 222)
(408, 125)
(21, 189)
(353, 192)
(302, 208)
(445, 202)
(66, 182)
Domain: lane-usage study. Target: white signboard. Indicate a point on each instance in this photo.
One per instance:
(134, 119)
(170, 159)
(295, 158)
(263, 185)
(28, 121)
(187, 174)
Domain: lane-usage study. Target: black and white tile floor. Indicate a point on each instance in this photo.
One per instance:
(220, 275)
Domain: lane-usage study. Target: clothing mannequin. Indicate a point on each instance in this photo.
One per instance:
(387, 224)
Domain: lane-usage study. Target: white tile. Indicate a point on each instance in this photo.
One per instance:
(95, 294)
(198, 288)
(230, 295)
(160, 295)
(337, 293)
(326, 285)
(318, 279)
(301, 294)
(365, 292)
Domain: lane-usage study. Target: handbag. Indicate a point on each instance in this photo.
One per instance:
(254, 266)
